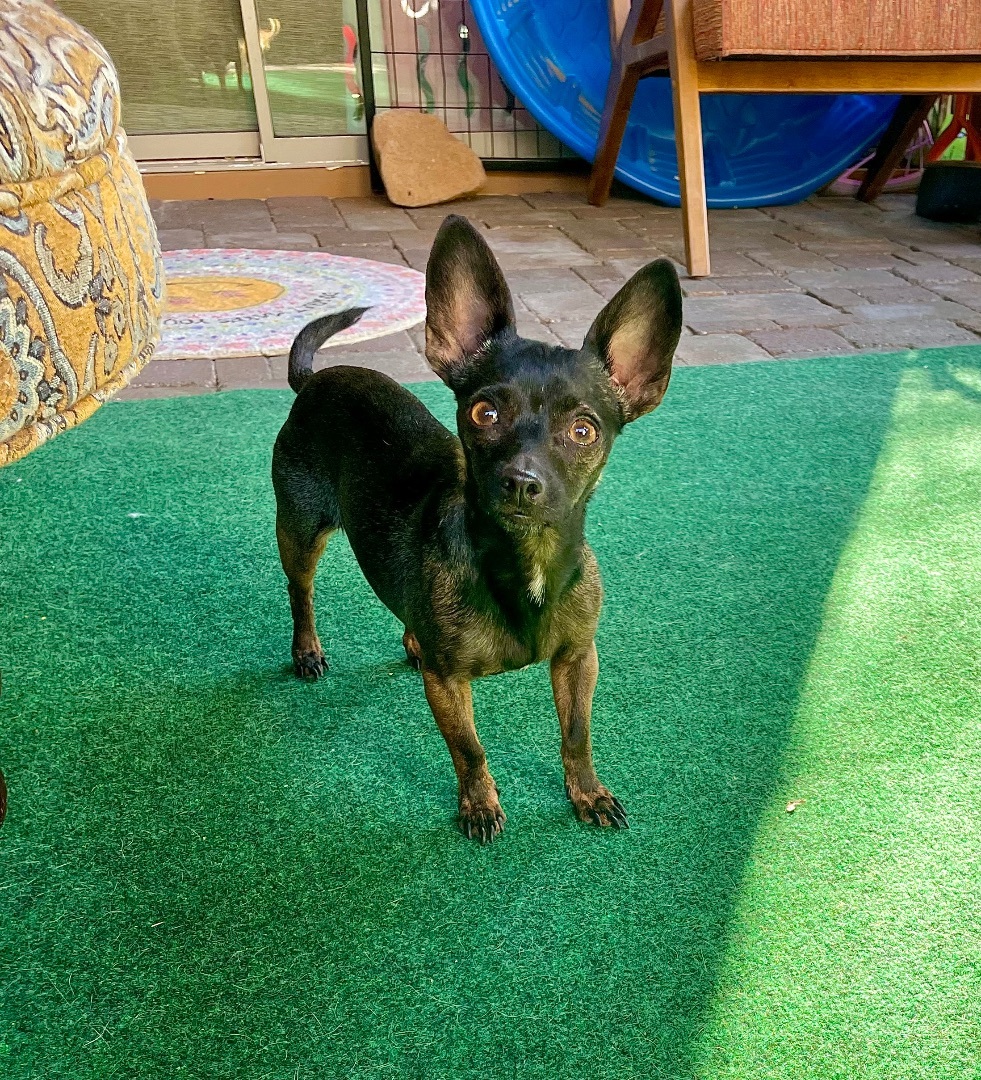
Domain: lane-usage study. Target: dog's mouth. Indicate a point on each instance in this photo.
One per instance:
(521, 519)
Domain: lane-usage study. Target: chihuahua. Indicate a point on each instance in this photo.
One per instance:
(475, 541)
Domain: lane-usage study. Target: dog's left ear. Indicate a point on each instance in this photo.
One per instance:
(467, 299)
(636, 335)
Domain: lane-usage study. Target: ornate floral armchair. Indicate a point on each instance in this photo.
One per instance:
(81, 282)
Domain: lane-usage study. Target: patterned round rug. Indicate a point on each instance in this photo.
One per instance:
(225, 302)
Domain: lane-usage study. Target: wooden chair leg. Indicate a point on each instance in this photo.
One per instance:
(910, 113)
(688, 137)
(619, 97)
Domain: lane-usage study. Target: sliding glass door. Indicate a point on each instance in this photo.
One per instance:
(275, 80)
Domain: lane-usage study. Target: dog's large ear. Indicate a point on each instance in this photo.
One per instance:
(636, 335)
(467, 299)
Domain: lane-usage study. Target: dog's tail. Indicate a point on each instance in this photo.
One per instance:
(311, 337)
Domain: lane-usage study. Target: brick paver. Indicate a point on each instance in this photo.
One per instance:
(174, 239)
(707, 314)
(810, 341)
(906, 334)
(826, 276)
(178, 373)
(274, 241)
(695, 349)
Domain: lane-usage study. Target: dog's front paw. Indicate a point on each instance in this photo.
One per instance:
(310, 664)
(598, 807)
(481, 819)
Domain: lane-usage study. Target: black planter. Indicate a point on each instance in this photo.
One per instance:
(950, 191)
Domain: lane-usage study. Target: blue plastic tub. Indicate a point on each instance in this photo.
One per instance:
(760, 149)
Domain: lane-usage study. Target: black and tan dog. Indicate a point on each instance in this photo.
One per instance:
(475, 543)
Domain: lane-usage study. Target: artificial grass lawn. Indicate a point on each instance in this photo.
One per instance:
(211, 870)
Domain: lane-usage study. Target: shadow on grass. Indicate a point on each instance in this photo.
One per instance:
(213, 870)
(950, 376)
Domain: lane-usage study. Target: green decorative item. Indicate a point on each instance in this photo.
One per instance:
(425, 89)
(463, 73)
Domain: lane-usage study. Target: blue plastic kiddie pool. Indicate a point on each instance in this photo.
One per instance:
(760, 149)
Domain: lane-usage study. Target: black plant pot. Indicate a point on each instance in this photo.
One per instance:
(950, 191)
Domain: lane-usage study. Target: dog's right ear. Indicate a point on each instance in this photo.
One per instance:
(467, 299)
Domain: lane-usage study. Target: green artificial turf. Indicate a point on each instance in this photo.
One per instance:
(211, 870)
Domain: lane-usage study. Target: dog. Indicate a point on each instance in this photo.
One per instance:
(475, 541)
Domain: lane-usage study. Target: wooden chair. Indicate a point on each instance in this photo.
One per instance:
(816, 46)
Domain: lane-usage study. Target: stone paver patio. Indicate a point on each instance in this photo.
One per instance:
(824, 277)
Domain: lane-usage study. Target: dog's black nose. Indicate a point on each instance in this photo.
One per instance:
(522, 486)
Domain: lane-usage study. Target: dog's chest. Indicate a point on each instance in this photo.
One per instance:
(484, 647)
(477, 635)
(489, 644)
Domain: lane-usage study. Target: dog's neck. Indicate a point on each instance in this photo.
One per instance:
(541, 562)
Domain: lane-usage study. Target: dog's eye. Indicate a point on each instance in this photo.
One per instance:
(483, 414)
(583, 432)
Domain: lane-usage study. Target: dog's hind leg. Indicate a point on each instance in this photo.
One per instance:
(306, 515)
(413, 653)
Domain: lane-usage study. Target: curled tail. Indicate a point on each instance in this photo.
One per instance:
(311, 337)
